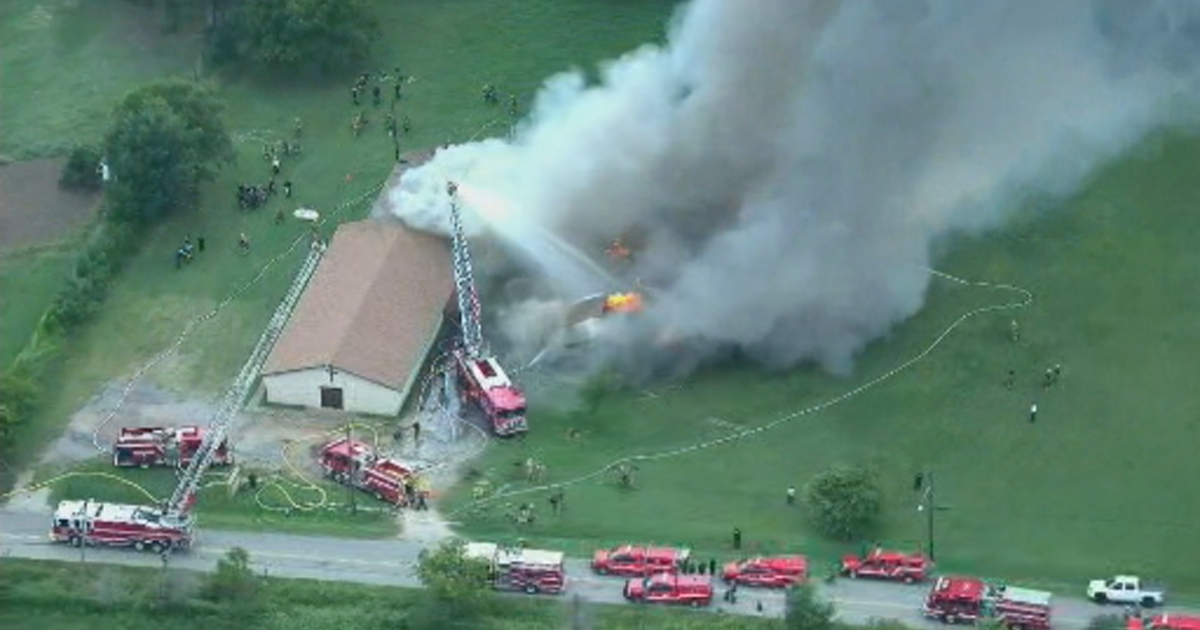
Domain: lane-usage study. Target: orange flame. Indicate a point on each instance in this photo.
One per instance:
(623, 303)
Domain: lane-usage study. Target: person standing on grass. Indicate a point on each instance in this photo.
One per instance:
(712, 566)
(1010, 380)
(244, 243)
(791, 495)
(737, 538)
(200, 243)
(1032, 413)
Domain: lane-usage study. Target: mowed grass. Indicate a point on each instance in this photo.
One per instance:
(1102, 482)
(70, 63)
(29, 280)
(317, 507)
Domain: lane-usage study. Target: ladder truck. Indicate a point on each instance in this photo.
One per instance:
(170, 525)
(480, 379)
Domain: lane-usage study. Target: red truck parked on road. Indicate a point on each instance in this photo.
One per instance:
(531, 571)
(888, 565)
(777, 572)
(671, 588)
(91, 523)
(638, 561)
(969, 600)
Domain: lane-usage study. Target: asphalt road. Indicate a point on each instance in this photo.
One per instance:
(391, 562)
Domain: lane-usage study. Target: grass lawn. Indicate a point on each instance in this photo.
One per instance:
(52, 98)
(218, 509)
(70, 596)
(34, 274)
(1087, 490)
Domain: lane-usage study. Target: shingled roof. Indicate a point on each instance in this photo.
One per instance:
(372, 306)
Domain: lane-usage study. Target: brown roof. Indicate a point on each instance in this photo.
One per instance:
(372, 306)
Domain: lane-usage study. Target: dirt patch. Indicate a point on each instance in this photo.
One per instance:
(34, 210)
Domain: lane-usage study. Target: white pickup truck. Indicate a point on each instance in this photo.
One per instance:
(1126, 589)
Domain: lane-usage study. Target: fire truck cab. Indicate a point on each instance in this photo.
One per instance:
(484, 384)
(353, 463)
(968, 600)
(777, 572)
(531, 571)
(92, 523)
(638, 560)
(159, 446)
(671, 588)
(888, 565)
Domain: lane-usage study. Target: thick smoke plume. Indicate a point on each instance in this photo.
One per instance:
(781, 168)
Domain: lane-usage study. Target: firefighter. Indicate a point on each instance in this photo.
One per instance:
(791, 495)
(737, 538)
(1010, 380)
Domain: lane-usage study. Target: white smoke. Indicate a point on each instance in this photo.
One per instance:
(783, 166)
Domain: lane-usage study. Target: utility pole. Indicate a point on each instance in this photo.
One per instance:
(923, 483)
(353, 474)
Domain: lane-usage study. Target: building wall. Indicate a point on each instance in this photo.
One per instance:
(303, 388)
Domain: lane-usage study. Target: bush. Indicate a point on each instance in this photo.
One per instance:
(81, 171)
(805, 610)
(296, 35)
(845, 501)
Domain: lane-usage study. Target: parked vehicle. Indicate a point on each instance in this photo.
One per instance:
(638, 561)
(966, 600)
(1126, 589)
(92, 523)
(888, 565)
(671, 588)
(530, 571)
(158, 446)
(1174, 622)
(770, 572)
(354, 463)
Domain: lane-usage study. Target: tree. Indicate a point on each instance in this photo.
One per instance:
(805, 610)
(845, 501)
(81, 171)
(458, 586)
(297, 35)
(233, 582)
(167, 138)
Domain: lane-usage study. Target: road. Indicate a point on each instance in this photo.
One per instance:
(391, 562)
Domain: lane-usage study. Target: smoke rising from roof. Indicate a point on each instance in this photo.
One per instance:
(781, 168)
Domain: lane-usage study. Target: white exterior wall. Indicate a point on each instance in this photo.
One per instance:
(303, 388)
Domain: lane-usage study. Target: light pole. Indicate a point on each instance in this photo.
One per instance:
(923, 483)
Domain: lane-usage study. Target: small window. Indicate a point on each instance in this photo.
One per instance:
(331, 398)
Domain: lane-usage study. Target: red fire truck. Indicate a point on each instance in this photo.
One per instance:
(159, 446)
(531, 571)
(115, 525)
(888, 565)
(353, 463)
(968, 600)
(636, 560)
(671, 588)
(776, 572)
(483, 383)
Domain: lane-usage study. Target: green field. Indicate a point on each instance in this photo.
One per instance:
(70, 596)
(1088, 489)
(56, 50)
(33, 274)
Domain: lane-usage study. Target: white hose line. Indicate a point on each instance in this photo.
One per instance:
(1026, 300)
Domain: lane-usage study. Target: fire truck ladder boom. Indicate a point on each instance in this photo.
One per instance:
(240, 390)
(464, 281)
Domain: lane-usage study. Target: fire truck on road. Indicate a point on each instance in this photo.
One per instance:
(773, 572)
(79, 523)
(637, 560)
(968, 600)
(353, 463)
(888, 565)
(158, 446)
(671, 588)
(530, 571)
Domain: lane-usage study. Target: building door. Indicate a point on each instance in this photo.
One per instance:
(331, 397)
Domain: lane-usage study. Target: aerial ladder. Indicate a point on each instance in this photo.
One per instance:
(184, 497)
(469, 309)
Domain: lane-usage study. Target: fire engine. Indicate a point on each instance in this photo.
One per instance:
(353, 463)
(92, 523)
(531, 571)
(778, 572)
(158, 446)
(671, 588)
(1174, 622)
(968, 600)
(483, 383)
(888, 565)
(635, 560)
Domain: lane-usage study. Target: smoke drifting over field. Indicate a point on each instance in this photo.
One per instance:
(781, 167)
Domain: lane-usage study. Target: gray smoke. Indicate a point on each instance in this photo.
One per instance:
(781, 168)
